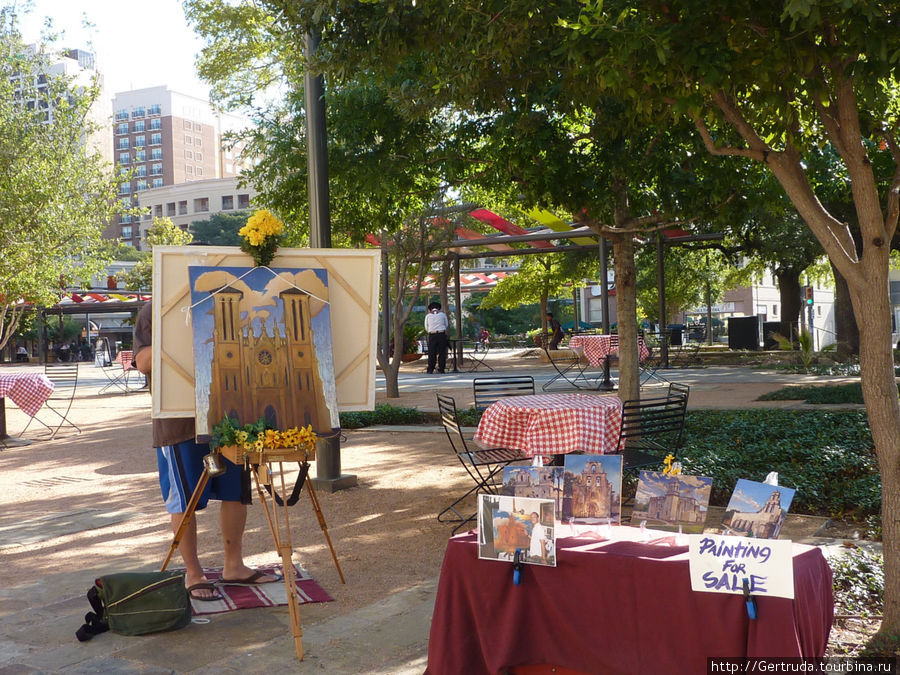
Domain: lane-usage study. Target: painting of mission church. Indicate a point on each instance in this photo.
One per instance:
(757, 509)
(668, 502)
(262, 347)
(593, 489)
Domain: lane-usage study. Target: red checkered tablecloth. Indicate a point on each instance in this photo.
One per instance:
(597, 347)
(552, 424)
(26, 390)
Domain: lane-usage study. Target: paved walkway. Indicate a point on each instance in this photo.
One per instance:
(76, 507)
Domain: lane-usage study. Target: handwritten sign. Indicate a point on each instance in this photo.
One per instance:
(722, 564)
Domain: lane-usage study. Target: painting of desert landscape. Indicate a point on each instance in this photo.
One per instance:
(262, 347)
(592, 489)
(509, 524)
(757, 509)
(667, 502)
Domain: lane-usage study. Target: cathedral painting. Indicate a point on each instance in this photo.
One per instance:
(667, 502)
(593, 489)
(757, 509)
(262, 348)
(534, 482)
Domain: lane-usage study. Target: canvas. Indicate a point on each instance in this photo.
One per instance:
(757, 509)
(535, 482)
(593, 489)
(507, 524)
(667, 502)
(262, 347)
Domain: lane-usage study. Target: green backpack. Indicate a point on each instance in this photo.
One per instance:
(135, 603)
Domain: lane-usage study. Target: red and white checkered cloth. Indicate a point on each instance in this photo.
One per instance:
(597, 347)
(552, 424)
(26, 390)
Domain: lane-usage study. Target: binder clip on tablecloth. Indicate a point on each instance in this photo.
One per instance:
(749, 600)
(518, 567)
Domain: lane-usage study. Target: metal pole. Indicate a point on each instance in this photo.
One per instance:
(661, 289)
(604, 283)
(328, 453)
(457, 297)
(385, 304)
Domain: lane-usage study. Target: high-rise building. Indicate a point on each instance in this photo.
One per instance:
(167, 138)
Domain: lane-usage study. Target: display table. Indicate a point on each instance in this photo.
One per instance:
(552, 424)
(27, 390)
(619, 606)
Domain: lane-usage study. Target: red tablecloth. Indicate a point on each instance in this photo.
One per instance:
(616, 607)
(552, 424)
(26, 390)
(597, 347)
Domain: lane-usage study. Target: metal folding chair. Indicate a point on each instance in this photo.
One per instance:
(64, 377)
(476, 352)
(119, 373)
(485, 467)
(487, 390)
(652, 428)
(570, 372)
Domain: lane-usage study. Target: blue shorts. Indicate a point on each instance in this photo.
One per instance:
(180, 468)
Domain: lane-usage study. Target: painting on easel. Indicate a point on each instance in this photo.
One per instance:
(262, 348)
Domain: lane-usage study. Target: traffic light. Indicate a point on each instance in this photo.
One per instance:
(808, 295)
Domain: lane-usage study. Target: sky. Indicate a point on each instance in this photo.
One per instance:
(136, 44)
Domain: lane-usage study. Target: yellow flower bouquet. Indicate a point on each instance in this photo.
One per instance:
(261, 236)
(259, 442)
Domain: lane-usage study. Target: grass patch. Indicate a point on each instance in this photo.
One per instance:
(827, 456)
(383, 414)
(824, 393)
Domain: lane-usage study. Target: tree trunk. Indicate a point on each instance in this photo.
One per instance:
(789, 295)
(626, 310)
(879, 387)
(844, 321)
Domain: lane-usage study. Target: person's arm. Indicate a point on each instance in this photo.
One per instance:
(143, 360)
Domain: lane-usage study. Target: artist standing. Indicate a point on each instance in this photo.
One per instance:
(436, 324)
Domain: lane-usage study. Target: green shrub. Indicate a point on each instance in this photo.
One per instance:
(825, 393)
(827, 456)
(383, 414)
(468, 417)
(858, 582)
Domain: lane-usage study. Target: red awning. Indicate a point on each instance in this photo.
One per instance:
(505, 226)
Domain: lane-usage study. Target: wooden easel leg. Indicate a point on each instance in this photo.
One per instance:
(315, 504)
(186, 517)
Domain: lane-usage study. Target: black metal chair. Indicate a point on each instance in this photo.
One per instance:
(64, 377)
(570, 372)
(487, 390)
(652, 428)
(484, 466)
(651, 365)
(476, 352)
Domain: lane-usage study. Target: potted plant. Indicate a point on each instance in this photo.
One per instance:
(411, 335)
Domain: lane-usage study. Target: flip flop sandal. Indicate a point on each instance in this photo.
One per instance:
(204, 586)
(252, 580)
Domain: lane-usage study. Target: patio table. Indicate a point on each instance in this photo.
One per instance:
(552, 424)
(597, 349)
(29, 391)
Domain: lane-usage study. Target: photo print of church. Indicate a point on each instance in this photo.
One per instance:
(262, 348)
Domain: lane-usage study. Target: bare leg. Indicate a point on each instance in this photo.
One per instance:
(232, 519)
(187, 547)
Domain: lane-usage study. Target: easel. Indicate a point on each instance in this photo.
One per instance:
(263, 460)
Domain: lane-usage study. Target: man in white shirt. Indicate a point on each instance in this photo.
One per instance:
(436, 325)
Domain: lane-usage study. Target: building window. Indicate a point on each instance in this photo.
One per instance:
(125, 219)
(140, 155)
(156, 182)
(155, 139)
(139, 126)
(188, 125)
(125, 202)
(124, 158)
(198, 127)
(818, 310)
(126, 232)
(138, 112)
(125, 189)
(182, 208)
(157, 211)
(188, 140)
(188, 154)
(201, 205)
(199, 171)
(156, 109)
(198, 142)
(155, 124)
(243, 201)
(140, 141)
(156, 153)
(156, 169)
(121, 115)
(198, 156)
(774, 310)
(140, 185)
(123, 144)
(170, 209)
(227, 202)
(140, 171)
(189, 169)
(122, 128)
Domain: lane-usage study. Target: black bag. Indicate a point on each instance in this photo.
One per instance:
(135, 603)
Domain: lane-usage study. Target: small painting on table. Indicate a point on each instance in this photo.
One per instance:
(510, 524)
(535, 482)
(667, 502)
(757, 509)
(593, 489)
